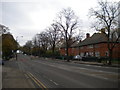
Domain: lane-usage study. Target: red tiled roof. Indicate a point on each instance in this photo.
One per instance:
(95, 38)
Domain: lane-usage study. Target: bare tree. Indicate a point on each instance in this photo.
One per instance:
(53, 34)
(27, 47)
(106, 14)
(40, 43)
(42, 40)
(68, 23)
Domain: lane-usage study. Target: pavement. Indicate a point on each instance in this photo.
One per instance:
(12, 75)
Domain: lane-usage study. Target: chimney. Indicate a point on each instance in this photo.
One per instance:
(87, 35)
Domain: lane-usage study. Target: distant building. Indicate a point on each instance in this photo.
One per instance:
(94, 46)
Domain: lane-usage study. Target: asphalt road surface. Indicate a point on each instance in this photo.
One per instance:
(46, 73)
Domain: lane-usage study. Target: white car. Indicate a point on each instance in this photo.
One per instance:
(77, 57)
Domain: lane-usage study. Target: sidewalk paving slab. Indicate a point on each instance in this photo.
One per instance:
(14, 78)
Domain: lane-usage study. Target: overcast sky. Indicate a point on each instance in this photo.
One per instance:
(29, 17)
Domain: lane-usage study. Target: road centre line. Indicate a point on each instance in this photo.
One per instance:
(53, 82)
(40, 84)
(97, 66)
(97, 76)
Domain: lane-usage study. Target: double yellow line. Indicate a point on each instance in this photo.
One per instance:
(38, 82)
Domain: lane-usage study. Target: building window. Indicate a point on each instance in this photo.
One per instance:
(81, 54)
(91, 53)
(97, 54)
(90, 46)
(86, 54)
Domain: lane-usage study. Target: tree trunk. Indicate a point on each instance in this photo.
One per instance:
(67, 57)
(109, 47)
(67, 53)
(53, 48)
(110, 56)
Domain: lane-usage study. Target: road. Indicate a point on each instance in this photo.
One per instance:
(45, 73)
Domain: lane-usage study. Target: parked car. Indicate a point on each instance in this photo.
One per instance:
(77, 57)
(1, 62)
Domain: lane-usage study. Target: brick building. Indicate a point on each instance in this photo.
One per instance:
(96, 46)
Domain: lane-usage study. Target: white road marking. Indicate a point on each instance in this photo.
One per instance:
(98, 66)
(63, 67)
(79, 68)
(88, 65)
(99, 76)
(100, 71)
(53, 82)
(26, 76)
